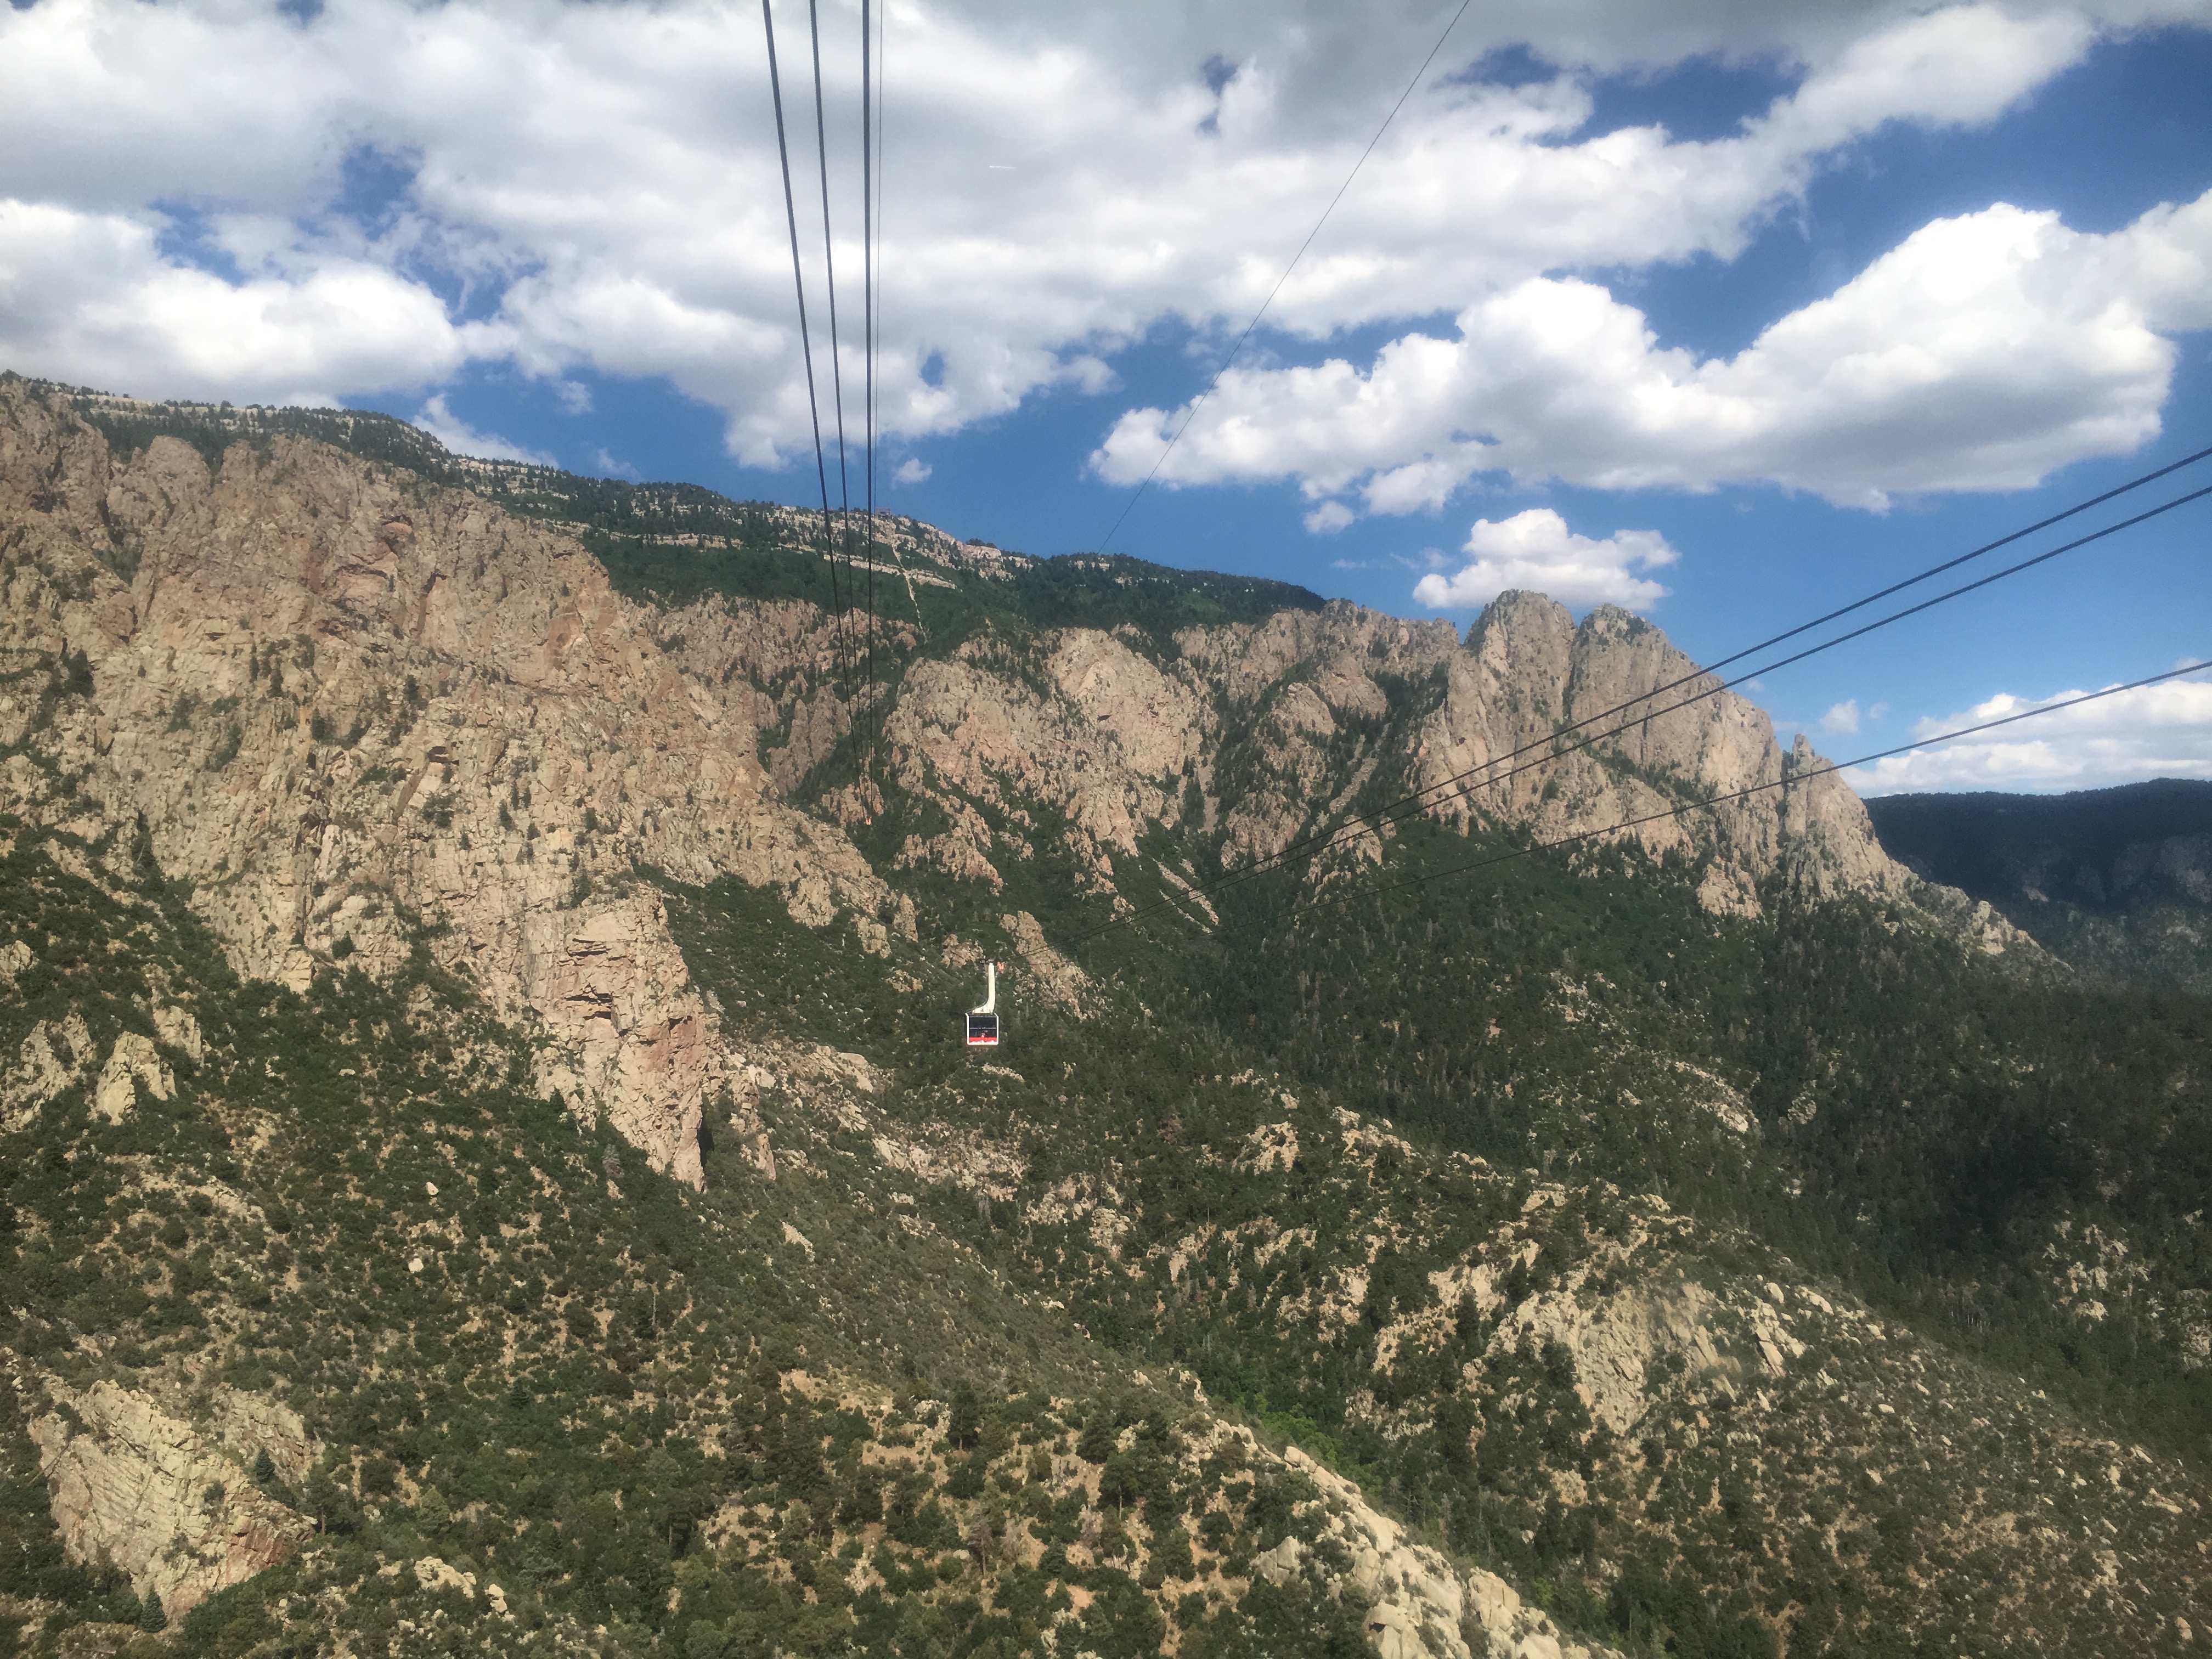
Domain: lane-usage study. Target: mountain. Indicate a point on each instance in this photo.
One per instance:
(488, 1148)
(2117, 882)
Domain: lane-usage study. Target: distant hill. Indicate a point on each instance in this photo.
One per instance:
(2117, 882)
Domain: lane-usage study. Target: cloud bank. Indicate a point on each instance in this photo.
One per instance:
(1983, 353)
(2158, 731)
(1536, 550)
(219, 199)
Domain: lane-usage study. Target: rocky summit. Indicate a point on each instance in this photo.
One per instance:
(1489, 1154)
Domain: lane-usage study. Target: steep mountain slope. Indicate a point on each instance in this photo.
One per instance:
(395, 880)
(2117, 882)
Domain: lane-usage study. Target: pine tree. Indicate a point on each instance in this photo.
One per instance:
(150, 1616)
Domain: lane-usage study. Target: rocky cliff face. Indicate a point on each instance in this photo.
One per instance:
(177, 1512)
(347, 702)
(339, 697)
(1266, 734)
(1527, 671)
(708, 878)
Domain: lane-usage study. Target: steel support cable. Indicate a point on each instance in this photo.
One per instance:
(1873, 597)
(1228, 362)
(873, 56)
(836, 358)
(799, 281)
(1317, 843)
(868, 306)
(1826, 768)
(1467, 783)
(883, 54)
(1414, 802)
(898, 555)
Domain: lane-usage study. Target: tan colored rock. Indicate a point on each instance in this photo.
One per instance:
(179, 1030)
(133, 1483)
(1616, 1340)
(132, 1062)
(1270, 1147)
(430, 708)
(1394, 1634)
(1527, 670)
(1515, 1631)
(409, 664)
(1281, 1563)
(251, 1422)
(435, 1573)
(1155, 724)
(1058, 980)
(46, 1062)
(1417, 1599)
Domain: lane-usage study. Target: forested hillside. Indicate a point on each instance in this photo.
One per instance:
(491, 1159)
(2117, 882)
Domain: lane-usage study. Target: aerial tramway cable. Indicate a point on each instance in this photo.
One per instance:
(868, 309)
(1827, 768)
(799, 281)
(836, 363)
(1417, 801)
(1414, 802)
(1383, 813)
(873, 198)
(1226, 362)
(1467, 783)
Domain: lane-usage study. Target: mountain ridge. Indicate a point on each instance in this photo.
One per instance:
(501, 1010)
(970, 732)
(2115, 881)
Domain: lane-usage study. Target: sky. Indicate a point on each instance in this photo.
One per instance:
(1725, 312)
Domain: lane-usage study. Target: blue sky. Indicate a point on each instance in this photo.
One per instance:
(1729, 313)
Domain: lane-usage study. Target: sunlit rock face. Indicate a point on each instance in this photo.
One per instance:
(339, 696)
(347, 702)
(138, 1486)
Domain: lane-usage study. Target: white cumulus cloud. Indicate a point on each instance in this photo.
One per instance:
(1982, 353)
(1843, 717)
(1535, 551)
(912, 471)
(217, 197)
(2155, 731)
(88, 297)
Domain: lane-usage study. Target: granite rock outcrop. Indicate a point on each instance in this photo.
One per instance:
(176, 1510)
(367, 714)
(345, 702)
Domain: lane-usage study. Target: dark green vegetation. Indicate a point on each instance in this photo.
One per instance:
(1838, 1088)
(600, 1391)
(213, 428)
(1801, 1283)
(1924, 1130)
(1936, 1130)
(2116, 882)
